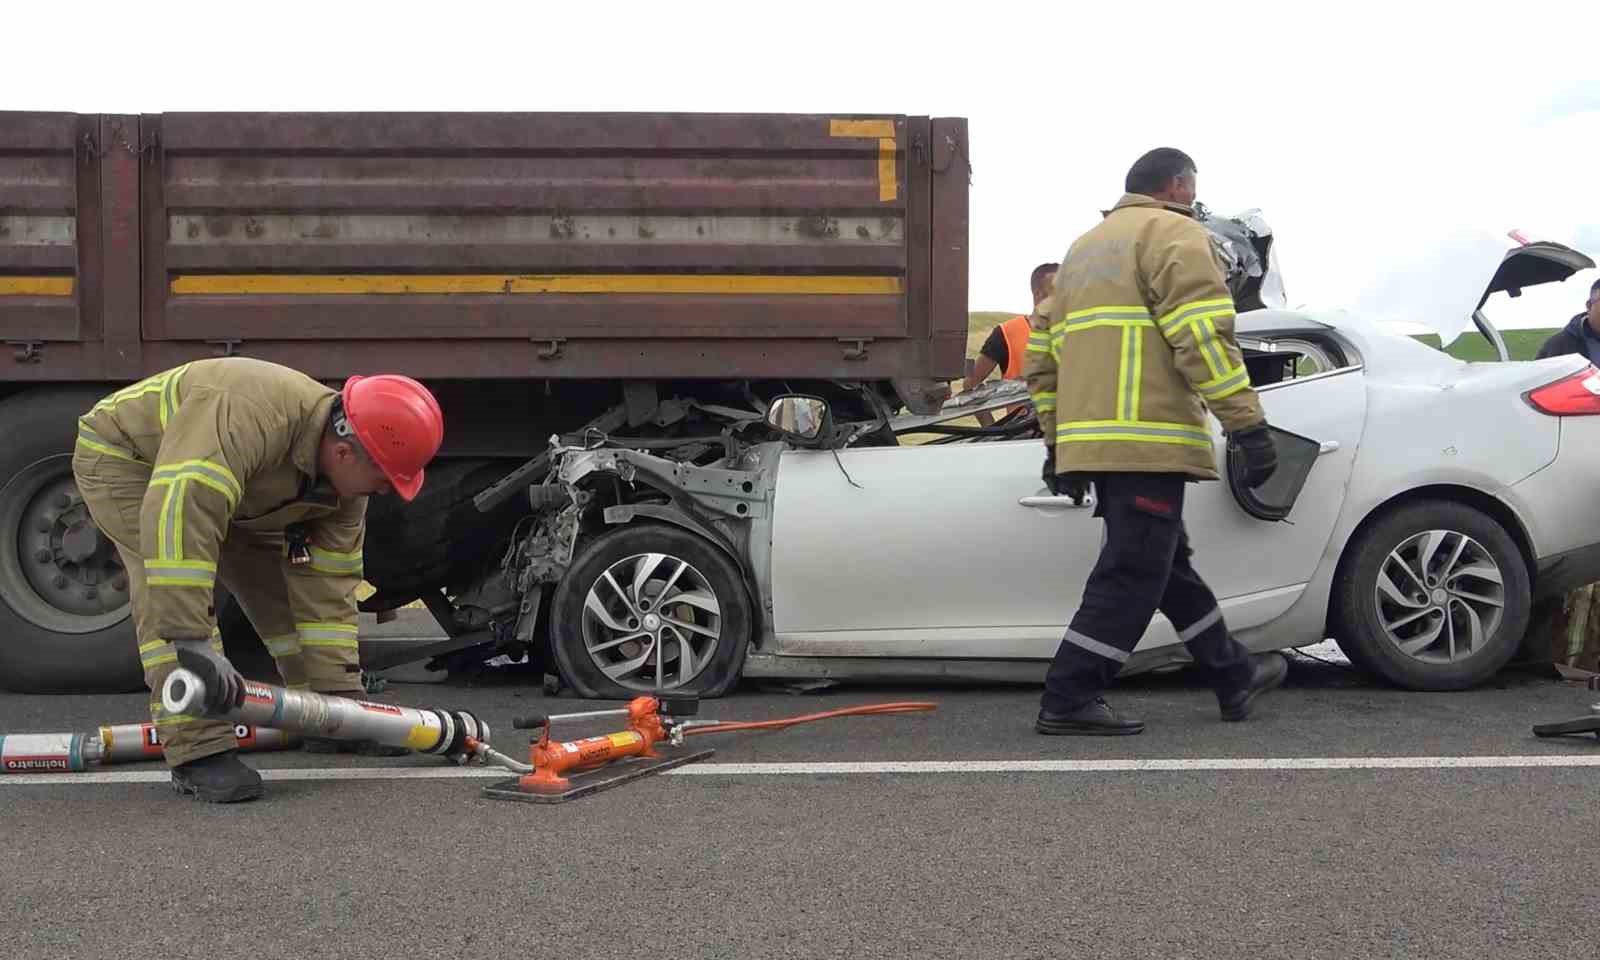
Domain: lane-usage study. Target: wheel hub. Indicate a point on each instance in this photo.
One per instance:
(65, 575)
(651, 622)
(1440, 596)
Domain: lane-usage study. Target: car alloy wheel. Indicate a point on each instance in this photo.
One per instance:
(651, 622)
(1440, 596)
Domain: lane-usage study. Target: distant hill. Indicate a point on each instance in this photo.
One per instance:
(1523, 344)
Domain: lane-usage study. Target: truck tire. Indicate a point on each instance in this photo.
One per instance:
(65, 624)
(1433, 596)
(440, 538)
(613, 610)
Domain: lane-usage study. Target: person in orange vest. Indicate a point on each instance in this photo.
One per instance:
(1008, 342)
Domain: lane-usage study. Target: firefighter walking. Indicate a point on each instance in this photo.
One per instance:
(243, 472)
(1134, 345)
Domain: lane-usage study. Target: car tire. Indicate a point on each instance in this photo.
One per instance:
(55, 638)
(1433, 596)
(720, 605)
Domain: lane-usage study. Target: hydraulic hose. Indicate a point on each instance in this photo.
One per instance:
(720, 726)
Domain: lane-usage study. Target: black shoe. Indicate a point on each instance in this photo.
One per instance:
(1093, 719)
(219, 778)
(1267, 671)
(361, 748)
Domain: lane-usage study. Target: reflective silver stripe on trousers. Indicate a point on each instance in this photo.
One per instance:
(1096, 647)
(1200, 626)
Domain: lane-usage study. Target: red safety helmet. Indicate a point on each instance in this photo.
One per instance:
(398, 423)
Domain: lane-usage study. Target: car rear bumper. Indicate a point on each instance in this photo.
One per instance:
(1565, 571)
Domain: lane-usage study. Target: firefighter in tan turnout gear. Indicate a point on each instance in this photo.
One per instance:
(1134, 345)
(255, 475)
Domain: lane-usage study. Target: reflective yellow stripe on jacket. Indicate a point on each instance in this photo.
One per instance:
(1135, 431)
(335, 564)
(165, 384)
(1200, 318)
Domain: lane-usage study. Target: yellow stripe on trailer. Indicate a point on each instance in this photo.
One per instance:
(883, 132)
(412, 284)
(37, 286)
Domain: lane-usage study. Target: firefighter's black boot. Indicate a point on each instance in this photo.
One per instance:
(1267, 671)
(219, 778)
(1093, 719)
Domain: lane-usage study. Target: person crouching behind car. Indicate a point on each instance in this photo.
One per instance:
(1580, 335)
(1134, 344)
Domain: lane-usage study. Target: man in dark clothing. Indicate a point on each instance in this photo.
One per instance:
(1133, 347)
(1580, 335)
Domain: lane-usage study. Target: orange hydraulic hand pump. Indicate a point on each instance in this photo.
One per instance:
(645, 729)
(650, 721)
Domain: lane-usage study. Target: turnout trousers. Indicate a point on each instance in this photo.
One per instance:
(1144, 566)
(324, 660)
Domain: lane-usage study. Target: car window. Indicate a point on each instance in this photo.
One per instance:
(1279, 359)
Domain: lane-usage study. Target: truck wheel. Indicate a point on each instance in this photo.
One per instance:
(65, 624)
(439, 538)
(1434, 596)
(650, 608)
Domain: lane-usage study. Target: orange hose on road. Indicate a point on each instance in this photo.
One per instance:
(871, 709)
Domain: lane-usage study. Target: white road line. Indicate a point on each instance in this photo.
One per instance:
(877, 767)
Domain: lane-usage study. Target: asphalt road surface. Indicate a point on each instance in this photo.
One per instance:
(1343, 820)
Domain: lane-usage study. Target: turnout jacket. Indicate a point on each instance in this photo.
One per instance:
(228, 447)
(1134, 344)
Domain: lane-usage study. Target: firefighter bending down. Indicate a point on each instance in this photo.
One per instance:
(243, 471)
(1135, 343)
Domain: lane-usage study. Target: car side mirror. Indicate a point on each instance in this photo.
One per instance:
(799, 417)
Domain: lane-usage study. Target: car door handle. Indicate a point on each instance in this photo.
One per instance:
(1057, 503)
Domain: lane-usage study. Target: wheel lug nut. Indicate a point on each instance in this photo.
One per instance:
(91, 594)
(60, 581)
(44, 556)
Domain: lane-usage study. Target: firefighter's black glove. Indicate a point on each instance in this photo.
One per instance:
(1073, 485)
(1260, 456)
(224, 685)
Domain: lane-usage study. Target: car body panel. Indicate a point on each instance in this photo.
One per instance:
(861, 564)
(928, 554)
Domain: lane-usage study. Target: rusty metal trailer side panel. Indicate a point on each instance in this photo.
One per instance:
(45, 208)
(551, 245)
(485, 246)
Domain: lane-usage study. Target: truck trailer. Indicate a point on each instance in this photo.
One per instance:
(662, 275)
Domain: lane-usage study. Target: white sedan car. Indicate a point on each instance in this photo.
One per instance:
(1422, 505)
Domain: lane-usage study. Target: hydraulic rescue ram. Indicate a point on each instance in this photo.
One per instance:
(193, 689)
(117, 743)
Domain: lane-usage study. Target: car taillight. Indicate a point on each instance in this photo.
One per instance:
(1574, 396)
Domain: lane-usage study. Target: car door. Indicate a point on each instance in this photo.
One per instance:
(1258, 568)
(939, 550)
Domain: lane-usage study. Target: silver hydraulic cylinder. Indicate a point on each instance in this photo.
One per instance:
(192, 689)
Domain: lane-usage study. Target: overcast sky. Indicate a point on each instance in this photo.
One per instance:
(1388, 145)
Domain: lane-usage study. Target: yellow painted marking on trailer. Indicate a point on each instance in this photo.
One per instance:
(350, 284)
(876, 129)
(883, 132)
(37, 286)
(888, 185)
